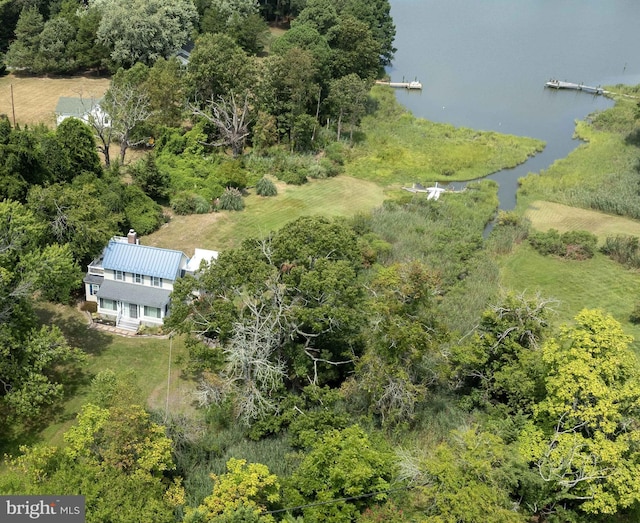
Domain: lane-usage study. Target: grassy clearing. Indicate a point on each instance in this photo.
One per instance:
(401, 149)
(549, 215)
(340, 196)
(598, 283)
(35, 98)
(147, 359)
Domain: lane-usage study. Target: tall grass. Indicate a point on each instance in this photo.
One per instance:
(402, 149)
(447, 236)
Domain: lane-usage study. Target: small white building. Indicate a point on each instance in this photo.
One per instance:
(132, 283)
(81, 108)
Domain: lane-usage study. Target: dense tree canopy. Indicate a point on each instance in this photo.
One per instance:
(143, 31)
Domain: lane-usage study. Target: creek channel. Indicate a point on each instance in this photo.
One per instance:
(483, 65)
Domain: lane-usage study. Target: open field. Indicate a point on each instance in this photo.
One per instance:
(339, 196)
(35, 98)
(595, 283)
(147, 359)
(549, 215)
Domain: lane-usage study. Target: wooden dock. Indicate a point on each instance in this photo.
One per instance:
(558, 84)
(404, 85)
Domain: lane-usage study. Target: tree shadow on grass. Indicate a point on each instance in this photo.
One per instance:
(633, 138)
(75, 329)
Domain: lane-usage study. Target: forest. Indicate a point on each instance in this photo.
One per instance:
(393, 363)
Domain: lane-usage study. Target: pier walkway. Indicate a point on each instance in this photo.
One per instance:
(557, 84)
(405, 85)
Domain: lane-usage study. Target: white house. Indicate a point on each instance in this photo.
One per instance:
(132, 283)
(82, 108)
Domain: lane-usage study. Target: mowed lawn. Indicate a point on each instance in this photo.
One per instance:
(35, 98)
(339, 196)
(549, 215)
(144, 361)
(598, 283)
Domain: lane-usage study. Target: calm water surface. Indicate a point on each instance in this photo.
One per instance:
(483, 64)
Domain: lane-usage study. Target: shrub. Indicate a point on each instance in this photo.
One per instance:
(546, 243)
(189, 203)
(579, 245)
(575, 245)
(331, 167)
(317, 170)
(293, 176)
(334, 152)
(89, 306)
(141, 212)
(623, 249)
(266, 187)
(152, 180)
(231, 200)
(232, 174)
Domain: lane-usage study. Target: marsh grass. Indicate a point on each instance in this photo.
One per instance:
(401, 149)
(601, 174)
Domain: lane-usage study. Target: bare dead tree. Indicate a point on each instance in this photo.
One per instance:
(100, 122)
(128, 105)
(523, 315)
(253, 371)
(230, 117)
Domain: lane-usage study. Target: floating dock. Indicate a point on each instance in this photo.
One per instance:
(404, 85)
(557, 84)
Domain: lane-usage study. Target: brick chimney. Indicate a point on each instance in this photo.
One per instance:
(132, 237)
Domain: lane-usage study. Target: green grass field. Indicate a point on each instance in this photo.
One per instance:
(146, 359)
(598, 283)
(339, 196)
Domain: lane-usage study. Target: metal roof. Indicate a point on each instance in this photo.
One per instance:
(70, 106)
(141, 259)
(93, 278)
(140, 294)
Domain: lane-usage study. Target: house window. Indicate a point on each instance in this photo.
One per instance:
(152, 312)
(119, 275)
(108, 304)
(93, 289)
(138, 278)
(156, 282)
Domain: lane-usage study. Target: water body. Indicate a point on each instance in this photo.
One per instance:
(483, 64)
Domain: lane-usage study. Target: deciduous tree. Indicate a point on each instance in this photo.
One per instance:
(467, 480)
(342, 464)
(585, 438)
(143, 31)
(246, 488)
